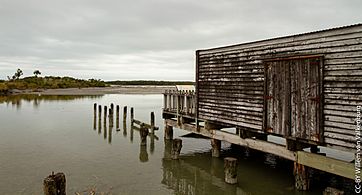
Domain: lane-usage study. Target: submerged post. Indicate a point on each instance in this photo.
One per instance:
(230, 169)
(55, 184)
(176, 149)
(152, 122)
(216, 146)
(144, 134)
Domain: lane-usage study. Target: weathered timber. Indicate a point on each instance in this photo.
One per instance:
(125, 113)
(143, 134)
(117, 117)
(99, 119)
(176, 149)
(215, 148)
(132, 114)
(230, 169)
(138, 122)
(168, 134)
(326, 164)
(152, 123)
(139, 129)
(95, 117)
(55, 184)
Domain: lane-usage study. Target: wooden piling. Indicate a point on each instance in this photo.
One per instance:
(99, 119)
(152, 122)
(230, 169)
(216, 147)
(132, 114)
(143, 134)
(95, 110)
(95, 116)
(112, 107)
(125, 113)
(117, 117)
(168, 134)
(55, 184)
(301, 176)
(105, 114)
(176, 149)
(110, 116)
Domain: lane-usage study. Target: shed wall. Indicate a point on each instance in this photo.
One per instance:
(230, 80)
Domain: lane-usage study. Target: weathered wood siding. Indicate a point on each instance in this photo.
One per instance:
(230, 80)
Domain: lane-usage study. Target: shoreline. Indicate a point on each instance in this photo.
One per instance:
(115, 89)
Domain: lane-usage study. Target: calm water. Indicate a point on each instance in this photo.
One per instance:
(41, 134)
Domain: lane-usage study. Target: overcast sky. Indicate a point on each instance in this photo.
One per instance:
(147, 39)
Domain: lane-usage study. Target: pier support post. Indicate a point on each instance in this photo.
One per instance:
(110, 116)
(132, 116)
(152, 122)
(216, 146)
(176, 149)
(95, 117)
(230, 169)
(95, 110)
(301, 177)
(168, 134)
(54, 184)
(144, 134)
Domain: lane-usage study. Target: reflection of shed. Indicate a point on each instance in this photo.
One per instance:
(303, 87)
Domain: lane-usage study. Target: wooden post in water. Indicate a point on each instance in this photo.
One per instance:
(95, 116)
(105, 114)
(168, 134)
(301, 177)
(99, 119)
(112, 106)
(132, 115)
(143, 134)
(230, 169)
(216, 146)
(176, 149)
(152, 122)
(54, 184)
(124, 113)
(117, 117)
(110, 116)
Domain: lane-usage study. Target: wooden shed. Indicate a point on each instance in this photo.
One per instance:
(304, 87)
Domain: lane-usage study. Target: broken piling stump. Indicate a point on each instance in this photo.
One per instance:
(152, 122)
(168, 134)
(216, 146)
(301, 176)
(230, 169)
(117, 117)
(55, 184)
(132, 115)
(125, 113)
(176, 149)
(144, 134)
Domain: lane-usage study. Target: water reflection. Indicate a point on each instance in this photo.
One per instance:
(17, 100)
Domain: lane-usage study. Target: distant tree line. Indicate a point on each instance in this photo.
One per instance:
(148, 82)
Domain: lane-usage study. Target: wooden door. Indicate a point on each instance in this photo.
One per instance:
(292, 98)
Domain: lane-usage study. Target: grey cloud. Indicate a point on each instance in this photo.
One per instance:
(144, 39)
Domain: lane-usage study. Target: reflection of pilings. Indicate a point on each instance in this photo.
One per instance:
(124, 128)
(152, 144)
(131, 134)
(110, 135)
(143, 153)
(167, 150)
(117, 117)
(176, 149)
(99, 119)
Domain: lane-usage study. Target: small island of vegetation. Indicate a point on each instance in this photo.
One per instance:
(48, 82)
